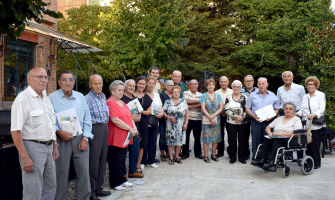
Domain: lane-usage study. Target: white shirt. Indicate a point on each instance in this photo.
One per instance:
(194, 113)
(318, 105)
(294, 94)
(224, 94)
(34, 117)
(157, 100)
(288, 127)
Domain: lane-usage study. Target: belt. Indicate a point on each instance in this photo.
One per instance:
(42, 142)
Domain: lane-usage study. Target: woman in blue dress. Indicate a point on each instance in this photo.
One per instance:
(211, 107)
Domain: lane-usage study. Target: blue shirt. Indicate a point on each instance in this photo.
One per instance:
(245, 92)
(77, 101)
(256, 101)
(98, 107)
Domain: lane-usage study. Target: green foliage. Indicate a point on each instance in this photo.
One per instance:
(142, 33)
(274, 33)
(15, 13)
(319, 60)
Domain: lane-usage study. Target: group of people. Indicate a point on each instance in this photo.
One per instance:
(46, 149)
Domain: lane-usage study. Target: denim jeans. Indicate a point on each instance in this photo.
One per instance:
(162, 127)
(133, 156)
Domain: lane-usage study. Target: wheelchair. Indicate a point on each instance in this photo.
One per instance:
(297, 142)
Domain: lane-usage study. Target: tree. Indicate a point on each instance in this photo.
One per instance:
(319, 60)
(15, 13)
(142, 33)
(274, 31)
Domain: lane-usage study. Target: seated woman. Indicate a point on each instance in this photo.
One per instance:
(283, 126)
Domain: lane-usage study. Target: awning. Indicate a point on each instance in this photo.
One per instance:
(67, 43)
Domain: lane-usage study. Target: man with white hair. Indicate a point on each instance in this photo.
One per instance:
(256, 101)
(290, 91)
(224, 91)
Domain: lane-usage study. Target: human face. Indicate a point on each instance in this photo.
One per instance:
(96, 84)
(194, 86)
(118, 92)
(66, 82)
(141, 85)
(210, 87)
(236, 88)
(154, 73)
(169, 87)
(224, 83)
(176, 77)
(287, 78)
(151, 85)
(311, 87)
(249, 82)
(130, 87)
(175, 93)
(38, 80)
(289, 110)
(262, 85)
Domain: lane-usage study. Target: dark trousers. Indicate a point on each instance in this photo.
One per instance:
(98, 156)
(162, 145)
(115, 159)
(313, 148)
(273, 144)
(236, 133)
(133, 150)
(149, 156)
(221, 145)
(257, 133)
(194, 125)
(247, 130)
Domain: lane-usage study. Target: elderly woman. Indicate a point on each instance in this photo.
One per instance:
(119, 125)
(313, 106)
(283, 126)
(211, 107)
(162, 122)
(236, 119)
(176, 113)
(135, 147)
(145, 102)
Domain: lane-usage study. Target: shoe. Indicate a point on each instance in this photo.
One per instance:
(153, 165)
(317, 167)
(94, 198)
(200, 157)
(119, 188)
(139, 171)
(242, 161)
(269, 164)
(171, 161)
(125, 178)
(157, 161)
(206, 159)
(135, 175)
(232, 161)
(178, 160)
(163, 158)
(213, 157)
(127, 184)
(218, 155)
(103, 193)
(257, 162)
(142, 166)
(184, 157)
(272, 168)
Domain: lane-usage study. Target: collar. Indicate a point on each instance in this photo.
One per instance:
(246, 90)
(34, 94)
(62, 95)
(315, 93)
(102, 95)
(258, 92)
(291, 87)
(192, 92)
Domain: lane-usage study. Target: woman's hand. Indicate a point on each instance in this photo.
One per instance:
(270, 134)
(172, 119)
(133, 132)
(276, 133)
(159, 115)
(212, 116)
(310, 116)
(136, 117)
(238, 118)
(185, 126)
(213, 122)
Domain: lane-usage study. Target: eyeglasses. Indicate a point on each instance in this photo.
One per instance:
(249, 81)
(41, 77)
(64, 80)
(310, 84)
(236, 87)
(170, 85)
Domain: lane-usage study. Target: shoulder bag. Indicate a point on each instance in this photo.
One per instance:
(317, 121)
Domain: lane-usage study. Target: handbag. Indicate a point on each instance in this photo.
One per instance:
(153, 121)
(309, 132)
(317, 121)
(206, 121)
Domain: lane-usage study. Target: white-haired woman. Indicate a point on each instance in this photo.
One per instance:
(236, 120)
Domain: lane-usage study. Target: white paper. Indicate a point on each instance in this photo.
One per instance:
(69, 117)
(155, 108)
(265, 112)
(134, 106)
(275, 136)
(129, 136)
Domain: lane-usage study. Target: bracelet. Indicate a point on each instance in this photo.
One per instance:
(85, 138)
(168, 117)
(186, 122)
(56, 144)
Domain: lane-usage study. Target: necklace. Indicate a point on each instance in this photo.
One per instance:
(127, 113)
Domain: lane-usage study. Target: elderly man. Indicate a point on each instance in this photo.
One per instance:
(96, 101)
(154, 71)
(71, 145)
(224, 91)
(192, 98)
(176, 78)
(33, 131)
(290, 91)
(258, 100)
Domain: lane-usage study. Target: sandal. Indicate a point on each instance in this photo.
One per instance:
(213, 157)
(163, 158)
(171, 161)
(139, 171)
(206, 159)
(178, 160)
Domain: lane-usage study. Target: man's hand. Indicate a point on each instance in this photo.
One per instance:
(27, 164)
(257, 119)
(66, 136)
(55, 153)
(172, 119)
(82, 145)
(269, 119)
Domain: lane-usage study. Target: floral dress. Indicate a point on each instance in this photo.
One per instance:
(175, 135)
(210, 133)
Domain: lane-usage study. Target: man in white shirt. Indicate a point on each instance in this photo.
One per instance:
(154, 71)
(224, 91)
(34, 134)
(290, 92)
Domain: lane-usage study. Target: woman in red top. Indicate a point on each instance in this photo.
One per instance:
(119, 125)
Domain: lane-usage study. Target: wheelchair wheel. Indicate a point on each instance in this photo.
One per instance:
(307, 165)
(280, 162)
(286, 171)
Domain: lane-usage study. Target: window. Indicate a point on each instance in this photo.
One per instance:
(19, 59)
